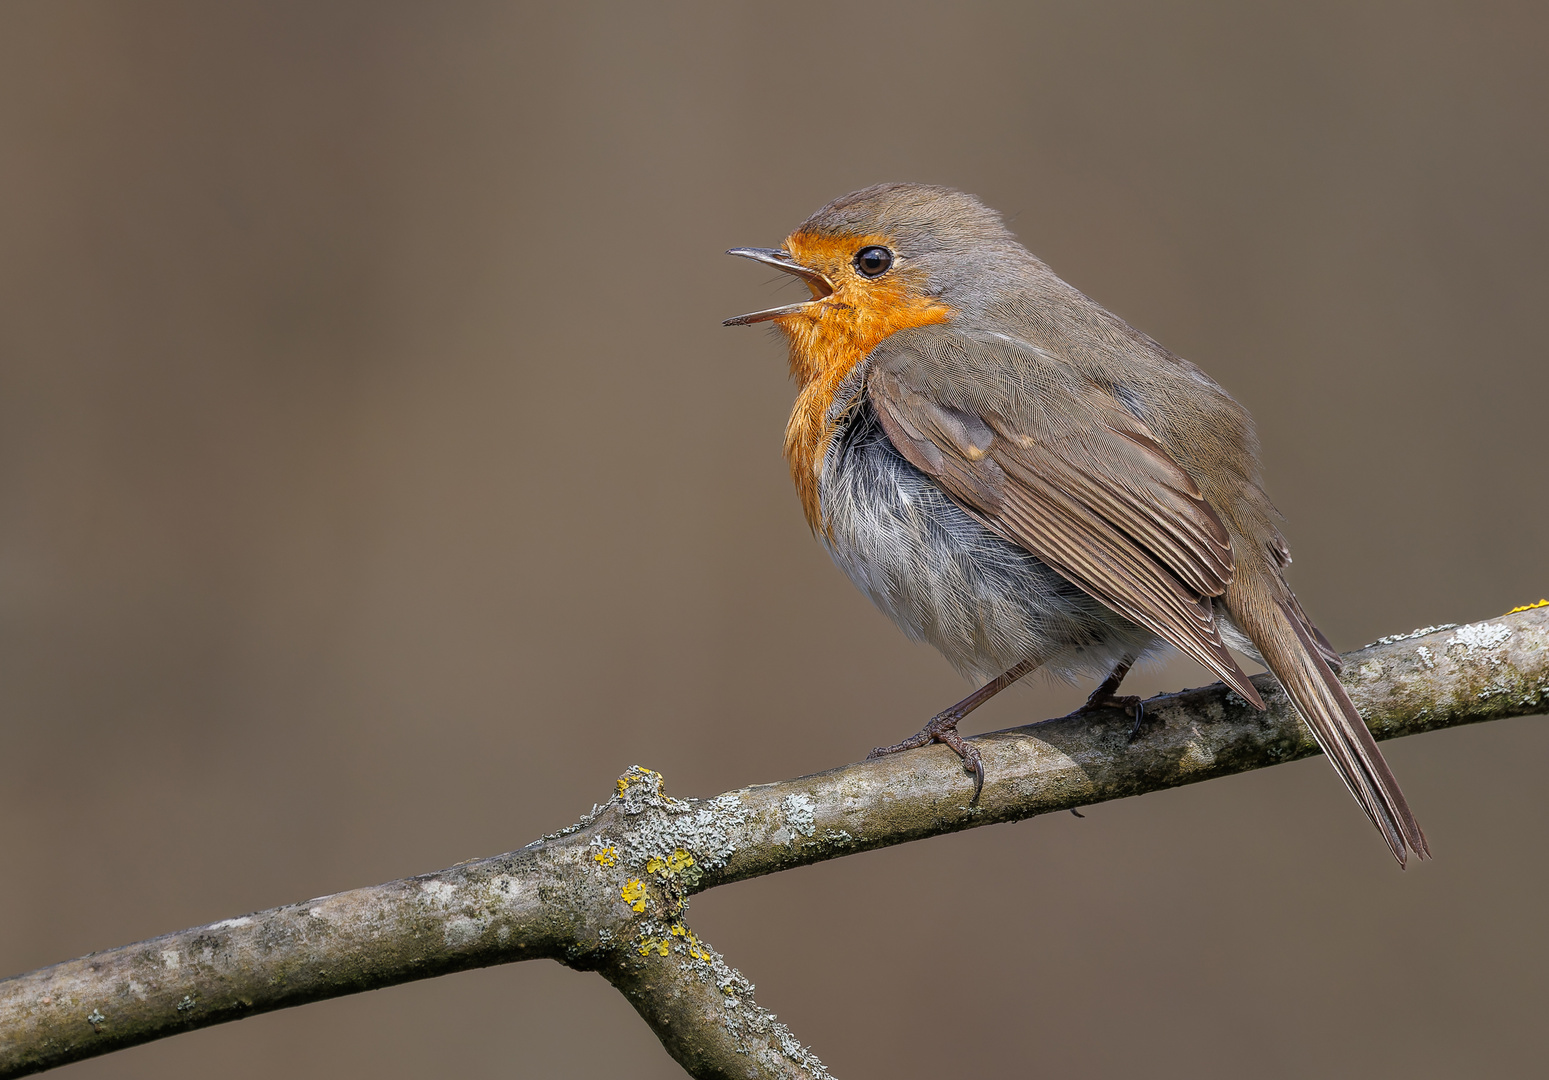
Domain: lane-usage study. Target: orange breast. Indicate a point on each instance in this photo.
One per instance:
(835, 334)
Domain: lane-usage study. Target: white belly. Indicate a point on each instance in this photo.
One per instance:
(986, 603)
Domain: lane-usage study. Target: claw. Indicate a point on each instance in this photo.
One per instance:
(943, 729)
(1129, 703)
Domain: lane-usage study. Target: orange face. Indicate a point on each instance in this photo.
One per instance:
(835, 331)
(842, 327)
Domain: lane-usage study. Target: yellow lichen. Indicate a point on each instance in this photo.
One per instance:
(659, 946)
(1528, 607)
(692, 944)
(607, 856)
(679, 861)
(633, 894)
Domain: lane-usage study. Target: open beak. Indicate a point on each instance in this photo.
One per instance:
(781, 260)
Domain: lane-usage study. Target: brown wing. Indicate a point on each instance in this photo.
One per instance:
(1060, 467)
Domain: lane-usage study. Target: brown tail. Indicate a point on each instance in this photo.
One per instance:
(1290, 649)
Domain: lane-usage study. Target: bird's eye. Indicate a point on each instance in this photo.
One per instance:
(873, 261)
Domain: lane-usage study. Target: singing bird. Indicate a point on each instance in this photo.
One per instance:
(1016, 476)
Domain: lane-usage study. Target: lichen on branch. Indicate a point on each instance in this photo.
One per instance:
(610, 893)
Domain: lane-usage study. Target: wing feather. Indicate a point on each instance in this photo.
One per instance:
(1088, 489)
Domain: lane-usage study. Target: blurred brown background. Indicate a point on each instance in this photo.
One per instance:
(377, 483)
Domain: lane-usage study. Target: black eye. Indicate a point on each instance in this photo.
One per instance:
(873, 261)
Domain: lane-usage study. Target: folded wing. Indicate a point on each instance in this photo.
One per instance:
(1085, 486)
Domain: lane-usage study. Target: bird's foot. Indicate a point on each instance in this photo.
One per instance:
(943, 729)
(1129, 703)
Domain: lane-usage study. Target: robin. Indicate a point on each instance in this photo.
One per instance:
(1015, 475)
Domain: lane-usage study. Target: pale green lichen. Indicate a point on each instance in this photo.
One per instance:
(1479, 636)
(704, 830)
(742, 1017)
(1422, 632)
(798, 810)
(797, 818)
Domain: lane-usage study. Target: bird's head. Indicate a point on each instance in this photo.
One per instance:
(884, 259)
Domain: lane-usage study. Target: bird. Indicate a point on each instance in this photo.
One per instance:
(1016, 476)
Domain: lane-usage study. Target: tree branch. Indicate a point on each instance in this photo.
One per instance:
(609, 893)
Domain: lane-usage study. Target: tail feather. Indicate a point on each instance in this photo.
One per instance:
(1299, 617)
(1293, 653)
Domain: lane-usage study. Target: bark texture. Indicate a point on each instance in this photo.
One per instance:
(609, 893)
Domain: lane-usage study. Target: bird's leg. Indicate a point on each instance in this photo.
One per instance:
(943, 726)
(1105, 698)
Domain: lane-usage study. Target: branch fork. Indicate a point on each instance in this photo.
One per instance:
(609, 894)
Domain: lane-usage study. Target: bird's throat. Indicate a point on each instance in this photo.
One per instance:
(825, 345)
